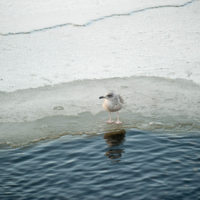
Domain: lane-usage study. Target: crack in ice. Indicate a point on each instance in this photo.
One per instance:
(99, 19)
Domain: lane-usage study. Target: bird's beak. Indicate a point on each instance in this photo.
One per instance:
(101, 97)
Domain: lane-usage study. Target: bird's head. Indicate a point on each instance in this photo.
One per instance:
(108, 96)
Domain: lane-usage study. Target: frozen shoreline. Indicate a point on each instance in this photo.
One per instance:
(74, 108)
(157, 42)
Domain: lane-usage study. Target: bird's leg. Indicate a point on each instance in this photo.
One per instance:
(110, 120)
(118, 122)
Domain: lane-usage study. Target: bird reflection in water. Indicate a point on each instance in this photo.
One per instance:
(115, 139)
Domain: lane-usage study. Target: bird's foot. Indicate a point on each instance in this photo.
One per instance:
(110, 121)
(118, 122)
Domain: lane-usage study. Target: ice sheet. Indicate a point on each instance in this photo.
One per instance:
(58, 57)
(163, 42)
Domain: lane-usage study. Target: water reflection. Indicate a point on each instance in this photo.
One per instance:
(115, 139)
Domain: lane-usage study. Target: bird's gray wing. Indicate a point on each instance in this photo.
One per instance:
(121, 99)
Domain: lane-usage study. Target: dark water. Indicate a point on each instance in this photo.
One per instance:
(128, 164)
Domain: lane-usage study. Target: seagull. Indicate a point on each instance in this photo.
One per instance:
(112, 103)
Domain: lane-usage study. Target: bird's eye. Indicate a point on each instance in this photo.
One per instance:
(109, 95)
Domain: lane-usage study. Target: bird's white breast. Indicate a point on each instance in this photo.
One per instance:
(113, 105)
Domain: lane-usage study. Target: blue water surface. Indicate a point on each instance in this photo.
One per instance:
(126, 164)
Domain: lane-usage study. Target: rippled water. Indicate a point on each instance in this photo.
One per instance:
(127, 164)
